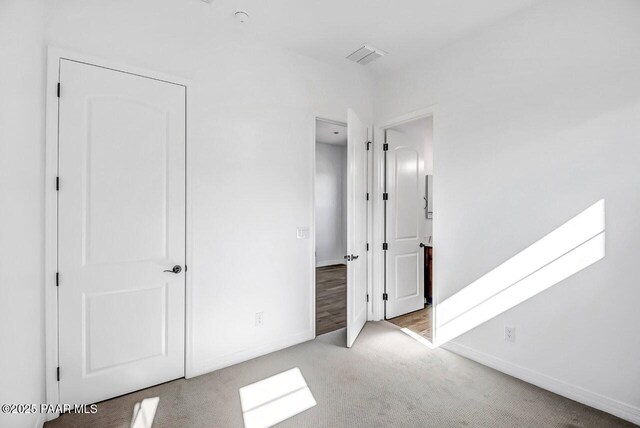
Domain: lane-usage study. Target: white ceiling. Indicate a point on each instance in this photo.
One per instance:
(325, 133)
(329, 30)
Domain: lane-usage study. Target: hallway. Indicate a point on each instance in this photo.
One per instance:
(331, 298)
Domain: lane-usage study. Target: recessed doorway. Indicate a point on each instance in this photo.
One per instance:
(331, 226)
(408, 157)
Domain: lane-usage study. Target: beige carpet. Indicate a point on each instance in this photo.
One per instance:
(386, 380)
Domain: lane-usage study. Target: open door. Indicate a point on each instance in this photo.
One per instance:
(405, 223)
(356, 226)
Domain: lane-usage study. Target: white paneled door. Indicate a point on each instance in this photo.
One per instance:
(405, 224)
(356, 226)
(121, 232)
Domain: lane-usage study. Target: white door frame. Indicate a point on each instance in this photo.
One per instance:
(377, 303)
(313, 222)
(54, 55)
(313, 215)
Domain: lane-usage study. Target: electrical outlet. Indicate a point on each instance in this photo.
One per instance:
(509, 334)
(259, 318)
(302, 232)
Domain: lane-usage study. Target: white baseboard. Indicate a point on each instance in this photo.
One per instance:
(330, 262)
(573, 392)
(242, 356)
(41, 420)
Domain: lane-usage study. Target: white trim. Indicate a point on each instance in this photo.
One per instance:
(188, 302)
(54, 55)
(50, 231)
(370, 229)
(377, 255)
(248, 354)
(617, 408)
(40, 420)
(312, 303)
(59, 53)
(378, 206)
(330, 121)
(408, 117)
(324, 263)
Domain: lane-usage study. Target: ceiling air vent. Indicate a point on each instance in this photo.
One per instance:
(366, 54)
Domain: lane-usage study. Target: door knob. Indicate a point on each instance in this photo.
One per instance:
(347, 258)
(354, 257)
(176, 269)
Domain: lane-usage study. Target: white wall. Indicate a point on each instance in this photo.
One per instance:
(537, 119)
(21, 208)
(252, 109)
(331, 210)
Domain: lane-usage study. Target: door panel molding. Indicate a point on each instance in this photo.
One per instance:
(405, 223)
(121, 222)
(378, 256)
(54, 57)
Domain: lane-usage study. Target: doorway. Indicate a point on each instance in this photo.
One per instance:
(408, 225)
(118, 245)
(331, 225)
(350, 222)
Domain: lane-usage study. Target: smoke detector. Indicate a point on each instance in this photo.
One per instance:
(366, 54)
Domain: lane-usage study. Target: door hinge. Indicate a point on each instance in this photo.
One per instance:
(367, 196)
(58, 374)
(385, 196)
(385, 296)
(58, 90)
(385, 246)
(367, 246)
(185, 267)
(368, 144)
(385, 147)
(57, 183)
(57, 279)
(367, 297)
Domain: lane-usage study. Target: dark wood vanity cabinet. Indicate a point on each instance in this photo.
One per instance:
(428, 274)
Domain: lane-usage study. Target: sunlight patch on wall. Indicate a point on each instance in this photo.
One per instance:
(274, 399)
(570, 248)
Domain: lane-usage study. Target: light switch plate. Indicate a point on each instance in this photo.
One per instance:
(302, 233)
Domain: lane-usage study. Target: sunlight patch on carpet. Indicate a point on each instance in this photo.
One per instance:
(274, 399)
(422, 340)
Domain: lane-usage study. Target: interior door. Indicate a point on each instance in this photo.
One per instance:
(356, 226)
(405, 224)
(121, 231)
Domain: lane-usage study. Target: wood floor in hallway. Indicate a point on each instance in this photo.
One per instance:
(418, 321)
(331, 298)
